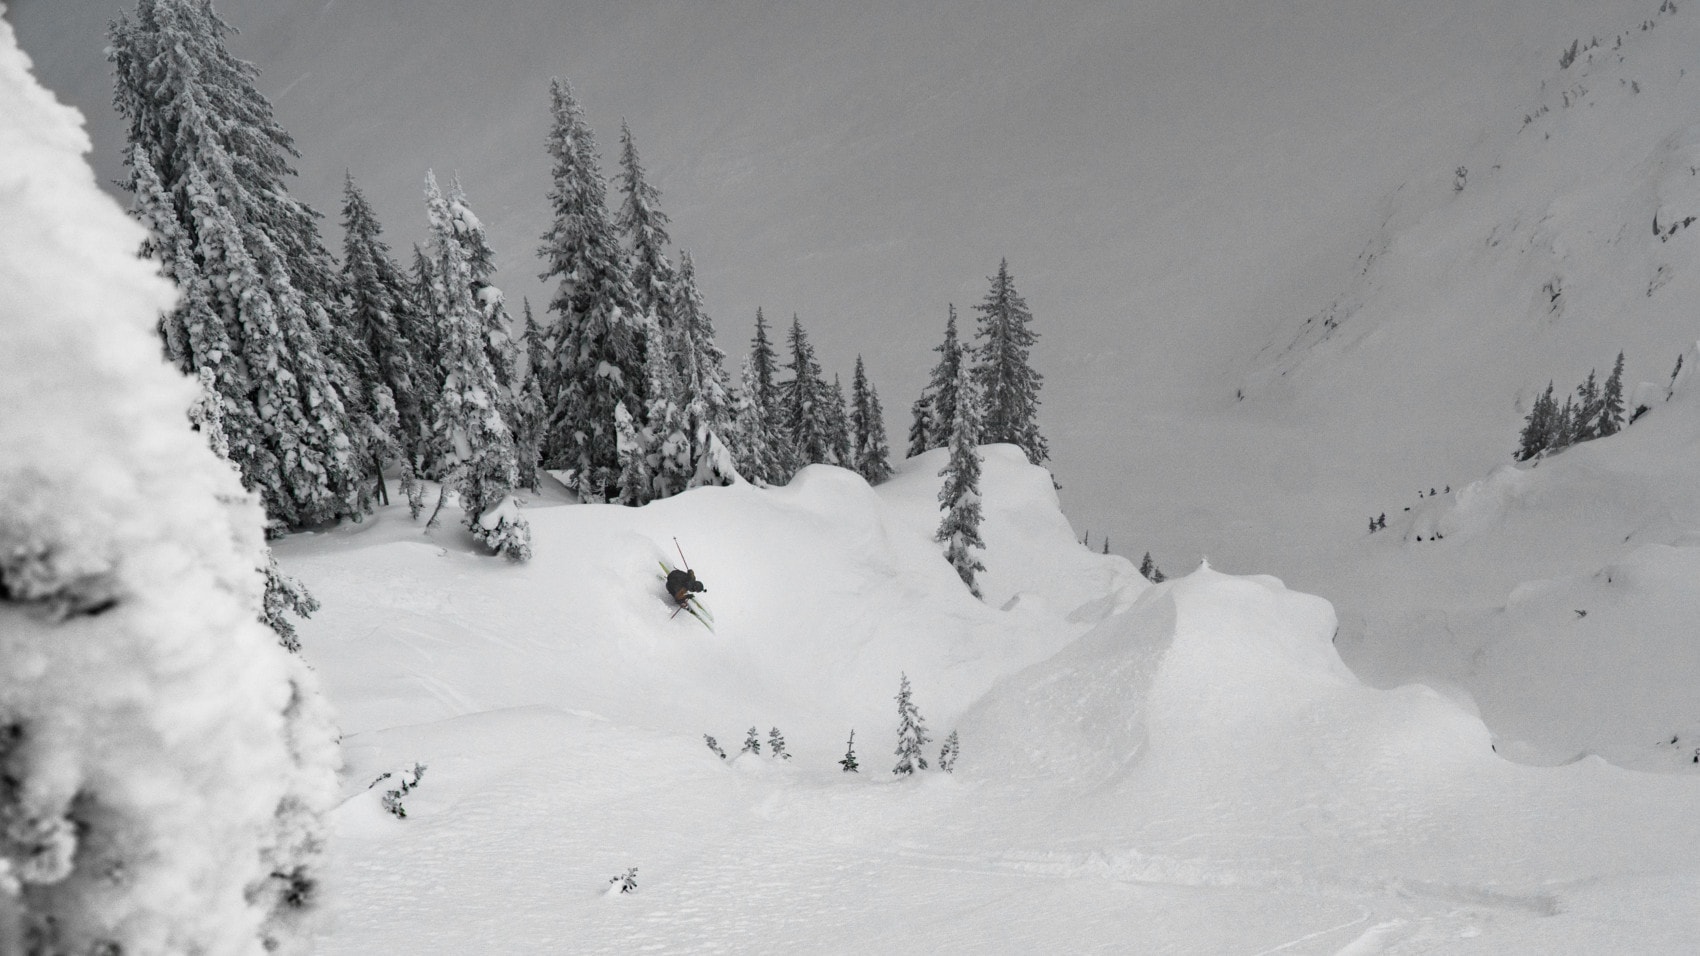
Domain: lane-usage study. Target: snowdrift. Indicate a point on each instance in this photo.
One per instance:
(822, 592)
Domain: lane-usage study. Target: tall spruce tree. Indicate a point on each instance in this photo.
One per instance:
(754, 442)
(1611, 401)
(942, 386)
(472, 434)
(531, 409)
(911, 733)
(602, 331)
(381, 306)
(960, 494)
(804, 409)
(1007, 382)
(1589, 404)
(207, 165)
(705, 392)
(872, 456)
(643, 227)
(842, 443)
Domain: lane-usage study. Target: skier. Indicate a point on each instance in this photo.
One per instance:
(682, 583)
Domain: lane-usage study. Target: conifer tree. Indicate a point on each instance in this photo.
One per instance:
(960, 494)
(840, 442)
(499, 343)
(1150, 570)
(637, 476)
(947, 753)
(871, 456)
(804, 399)
(1564, 432)
(849, 760)
(704, 390)
(1007, 383)
(472, 434)
(260, 306)
(754, 444)
(921, 426)
(601, 330)
(911, 733)
(942, 386)
(776, 744)
(1540, 428)
(764, 366)
(1611, 401)
(530, 408)
(643, 227)
(1588, 406)
(752, 742)
(382, 309)
(665, 440)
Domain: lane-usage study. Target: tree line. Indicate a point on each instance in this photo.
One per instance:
(321, 376)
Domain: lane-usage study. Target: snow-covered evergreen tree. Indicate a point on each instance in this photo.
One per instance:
(942, 387)
(841, 442)
(803, 402)
(166, 762)
(1540, 429)
(666, 439)
(471, 431)
(921, 425)
(752, 742)
(643, 227)
(704, 389)
(637, 475)
(912, 736)
(1589, 404)
(500, 345)
(871, 456)
(601, 330)
(381, 307)
(776, 744)
(1611, 401)
(261, 306)
(530, 408)
(1003, 374)
(1149, 569)
(948, 753)
(754, 444)
(960, 494)
(848, 762)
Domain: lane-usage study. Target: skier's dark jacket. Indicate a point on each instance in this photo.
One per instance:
(681, 582)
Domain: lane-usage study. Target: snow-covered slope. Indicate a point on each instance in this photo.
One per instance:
(1185, 767)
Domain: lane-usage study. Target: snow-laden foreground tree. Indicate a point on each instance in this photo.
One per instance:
(261, 306)
(163, 760)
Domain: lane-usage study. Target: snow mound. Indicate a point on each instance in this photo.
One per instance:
(821, 592)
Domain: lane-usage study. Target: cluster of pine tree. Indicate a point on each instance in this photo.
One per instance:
(321, 378)
(1593, 412)
(979, 394)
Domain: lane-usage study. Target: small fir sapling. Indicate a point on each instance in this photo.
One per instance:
(911, 733)
(714, 745)
(849, 762)
(627, 881)
(776, 743)
(752, 743)
(1150, 570)
(947, 754)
